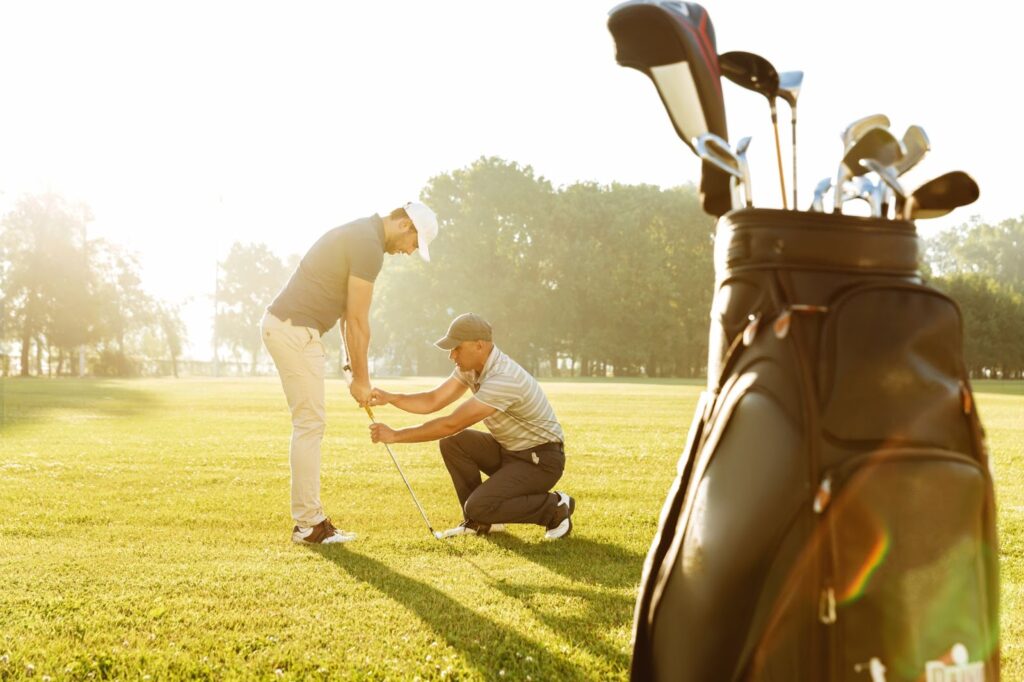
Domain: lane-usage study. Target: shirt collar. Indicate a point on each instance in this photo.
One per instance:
(492, 359)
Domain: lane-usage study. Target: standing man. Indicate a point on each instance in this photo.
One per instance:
(524, 453)
(334, 281)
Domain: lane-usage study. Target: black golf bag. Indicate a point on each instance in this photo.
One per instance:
(833, 516)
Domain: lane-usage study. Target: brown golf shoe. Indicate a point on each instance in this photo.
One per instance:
(323, 533)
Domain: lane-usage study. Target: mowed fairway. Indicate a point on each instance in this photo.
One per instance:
(144, 530)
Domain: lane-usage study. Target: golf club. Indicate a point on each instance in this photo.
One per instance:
(856, 129)
(741, 154)
(939, 196)
(789, 90)
(860, 187)
(820, 189)
(347, 374)
(716, 151)
(673, 43)
(890, 183)
(876, 143)
(754, 72)
(916, 145)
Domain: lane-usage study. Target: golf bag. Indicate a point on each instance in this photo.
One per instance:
(833, 516)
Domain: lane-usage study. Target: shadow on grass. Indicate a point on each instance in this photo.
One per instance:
(604, 611)
(461, 627)
(24, 402)
(580, 559)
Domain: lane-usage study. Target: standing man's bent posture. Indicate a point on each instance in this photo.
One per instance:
(334, 281)
(524, 453)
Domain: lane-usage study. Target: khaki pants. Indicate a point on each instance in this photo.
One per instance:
(299, 357)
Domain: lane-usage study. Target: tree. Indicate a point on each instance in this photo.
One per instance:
(251, 276)
(173, 331)
(46, 296)
(993, 315)
(996, 251)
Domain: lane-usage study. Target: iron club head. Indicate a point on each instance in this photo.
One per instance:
(856, 129)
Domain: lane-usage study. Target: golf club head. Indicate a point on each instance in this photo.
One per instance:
(818, 205)
(789, 86)
(860, 126)
(940, 196)
(916, 144)
(716, 152)
(673, 43)
(886, 174)
(751, 72)
(888, 187)
(876, 143)
(861, 187)
(755, 73)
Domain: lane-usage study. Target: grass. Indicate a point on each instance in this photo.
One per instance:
(144, 530)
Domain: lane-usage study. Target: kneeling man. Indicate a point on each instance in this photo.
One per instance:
(524, 453)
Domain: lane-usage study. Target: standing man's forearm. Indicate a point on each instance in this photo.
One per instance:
(357, 340)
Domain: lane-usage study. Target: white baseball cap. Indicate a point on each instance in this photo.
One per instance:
(425, 222)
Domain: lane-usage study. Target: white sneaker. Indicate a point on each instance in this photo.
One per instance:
(323, 533)
(473, 528)
(563, 527)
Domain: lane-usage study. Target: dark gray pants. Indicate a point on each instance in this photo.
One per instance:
(517, 488)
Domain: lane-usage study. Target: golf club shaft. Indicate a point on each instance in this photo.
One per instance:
(778, 157)
(369, 413)
(346, 371)
(793, 123)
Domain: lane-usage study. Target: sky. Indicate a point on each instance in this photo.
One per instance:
(187, 126)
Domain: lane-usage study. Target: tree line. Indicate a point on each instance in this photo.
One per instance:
(74, 305)
(579, 280)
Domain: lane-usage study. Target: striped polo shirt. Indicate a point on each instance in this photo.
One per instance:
(524, 418)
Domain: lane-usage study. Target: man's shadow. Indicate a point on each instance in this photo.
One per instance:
(601, 573)
(462, 628)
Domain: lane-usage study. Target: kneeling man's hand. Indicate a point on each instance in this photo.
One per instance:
(380, 397)
(382, 433)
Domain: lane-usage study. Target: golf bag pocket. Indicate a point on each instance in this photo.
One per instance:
(905, 568)
(890, 372)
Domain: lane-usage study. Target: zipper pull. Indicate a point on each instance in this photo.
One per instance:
(824, 494)
(751, 330)
(965, 398)
(875, 668)
(781, 324)
(827, 606)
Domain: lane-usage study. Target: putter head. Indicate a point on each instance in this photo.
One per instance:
(751, 71)
(673, 43)
(940, 196)
(789, 86)
(853, 131)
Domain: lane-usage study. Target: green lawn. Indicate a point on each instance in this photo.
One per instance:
(144, 530)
